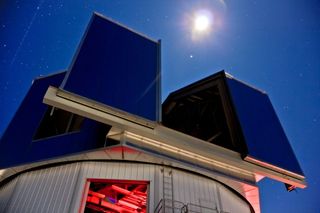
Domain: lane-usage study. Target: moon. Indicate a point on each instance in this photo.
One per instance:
(202, 23)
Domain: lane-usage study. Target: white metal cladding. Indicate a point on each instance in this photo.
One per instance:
(60, 188)
(45, 190)
(5, 193)
(204, 195)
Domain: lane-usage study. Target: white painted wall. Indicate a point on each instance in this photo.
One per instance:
(60, 188)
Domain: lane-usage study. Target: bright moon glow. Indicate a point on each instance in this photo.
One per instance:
(201, 23)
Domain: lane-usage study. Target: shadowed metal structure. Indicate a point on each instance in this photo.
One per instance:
(91, 139)
(225, 111)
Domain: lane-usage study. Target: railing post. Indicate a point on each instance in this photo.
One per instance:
(184, 209)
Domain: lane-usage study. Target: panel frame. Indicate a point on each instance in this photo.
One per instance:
(164, 140)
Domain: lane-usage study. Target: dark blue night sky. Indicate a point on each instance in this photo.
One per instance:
(273, 45)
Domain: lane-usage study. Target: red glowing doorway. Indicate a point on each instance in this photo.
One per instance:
(116, 196)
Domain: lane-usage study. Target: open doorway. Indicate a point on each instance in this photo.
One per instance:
(116, 196)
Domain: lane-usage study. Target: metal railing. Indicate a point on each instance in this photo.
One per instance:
(194, 208)
(169, 206)
(174, 206)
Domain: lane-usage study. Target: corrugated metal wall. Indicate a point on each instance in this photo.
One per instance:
(5, 193)
(61, 188)
(205, 195)
(46, 190)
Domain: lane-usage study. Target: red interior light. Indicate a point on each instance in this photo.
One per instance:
(116, 196)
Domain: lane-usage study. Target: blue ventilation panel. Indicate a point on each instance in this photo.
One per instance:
(262, 131)
(38, 132)
(117, 67)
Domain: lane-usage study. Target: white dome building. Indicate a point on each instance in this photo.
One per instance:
(96, 139)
